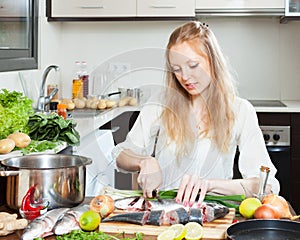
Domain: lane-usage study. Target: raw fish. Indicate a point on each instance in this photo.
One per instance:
(70, 220)
(43, 225)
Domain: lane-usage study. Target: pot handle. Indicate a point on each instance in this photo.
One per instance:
(4, 173)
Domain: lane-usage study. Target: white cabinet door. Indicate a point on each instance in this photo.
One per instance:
(16, 8)
(93, 8)
(165, 8)
(231, 4)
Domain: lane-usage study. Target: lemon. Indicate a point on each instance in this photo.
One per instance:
(89, 220)
(179, 231)
(194, 231)
(248, 207)
(166, 235)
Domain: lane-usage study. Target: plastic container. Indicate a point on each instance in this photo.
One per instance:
(62, 110)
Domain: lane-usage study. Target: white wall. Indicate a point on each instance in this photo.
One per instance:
(264, 53)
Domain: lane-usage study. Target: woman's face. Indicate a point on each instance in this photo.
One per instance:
(191, 69)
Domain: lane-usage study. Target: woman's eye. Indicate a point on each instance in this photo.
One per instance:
(175, 69)
(193, 64)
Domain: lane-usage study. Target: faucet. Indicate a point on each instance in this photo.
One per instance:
(44, 100)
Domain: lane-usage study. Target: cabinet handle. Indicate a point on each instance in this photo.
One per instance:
(91, 7)
(163, 6)
(115, 129)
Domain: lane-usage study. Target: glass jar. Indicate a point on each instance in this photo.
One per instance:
(62, 110)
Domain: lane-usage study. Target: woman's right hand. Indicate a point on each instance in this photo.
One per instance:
(150, 176)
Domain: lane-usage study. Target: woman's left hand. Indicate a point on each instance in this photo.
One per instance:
(189, 188)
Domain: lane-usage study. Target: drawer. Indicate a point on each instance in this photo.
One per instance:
(171, 8)
(93, 8)
(241, 4)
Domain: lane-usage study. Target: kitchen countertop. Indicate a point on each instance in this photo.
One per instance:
(291, 107)
(90, 122)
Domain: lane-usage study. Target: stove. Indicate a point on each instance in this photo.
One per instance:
(267, 103)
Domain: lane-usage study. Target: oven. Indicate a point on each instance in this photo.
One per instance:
(277, 139)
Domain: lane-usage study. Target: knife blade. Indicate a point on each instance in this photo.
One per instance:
(155, 194)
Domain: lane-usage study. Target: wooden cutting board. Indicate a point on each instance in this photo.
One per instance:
(212, 230)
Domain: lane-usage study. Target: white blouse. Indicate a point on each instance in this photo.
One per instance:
(205, 160)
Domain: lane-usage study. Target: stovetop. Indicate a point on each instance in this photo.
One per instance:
(267, 103)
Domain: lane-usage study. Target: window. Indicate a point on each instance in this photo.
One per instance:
(18, 35)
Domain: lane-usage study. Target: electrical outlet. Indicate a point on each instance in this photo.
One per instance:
(119, 67)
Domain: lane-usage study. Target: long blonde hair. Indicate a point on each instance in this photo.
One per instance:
(221, 91)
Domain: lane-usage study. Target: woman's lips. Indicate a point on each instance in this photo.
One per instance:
(191, 86)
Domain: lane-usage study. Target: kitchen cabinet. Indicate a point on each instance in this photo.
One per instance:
(230, 4)
(118, 10)
(15, 8)
(240, 7)
(93, 8)
(156, 8)
(120, 126)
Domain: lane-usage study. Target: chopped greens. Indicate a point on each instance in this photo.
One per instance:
(96, 235)
(52, 127)
(39, 146)
(15, 110)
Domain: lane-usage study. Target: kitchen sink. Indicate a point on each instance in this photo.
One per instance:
(267, 103)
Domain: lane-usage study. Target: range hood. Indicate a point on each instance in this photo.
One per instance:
(240, 12)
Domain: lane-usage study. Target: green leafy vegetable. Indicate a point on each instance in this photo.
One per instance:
(52, 127)
(96, 235)
(15, 110)
(39, 146)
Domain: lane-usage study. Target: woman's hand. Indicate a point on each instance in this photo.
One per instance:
(189, 188)
(150, 176)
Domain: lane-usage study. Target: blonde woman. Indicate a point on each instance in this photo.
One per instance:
(196, 128)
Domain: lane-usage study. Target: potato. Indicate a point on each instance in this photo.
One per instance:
(79, 103)
(21, 140)
(70, 106)
(101, 104)
(133, 102)
(110, 103)
(6, 145)
(66, 101)
(94, 105)
(124, 101)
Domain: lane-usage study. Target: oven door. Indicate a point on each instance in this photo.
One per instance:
(281, 158)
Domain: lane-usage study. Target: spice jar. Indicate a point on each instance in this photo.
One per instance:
(62, 110)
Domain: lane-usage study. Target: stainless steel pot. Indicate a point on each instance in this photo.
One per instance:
(59, 178)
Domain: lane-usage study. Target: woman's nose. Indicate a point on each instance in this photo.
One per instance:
(185, 74)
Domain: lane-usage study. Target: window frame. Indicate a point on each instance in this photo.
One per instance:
(23, 59)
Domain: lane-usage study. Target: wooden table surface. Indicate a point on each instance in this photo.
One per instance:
(212, 231)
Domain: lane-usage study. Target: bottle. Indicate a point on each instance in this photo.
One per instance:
(85, 78)
(53, 106)
(62, 110)
(77, 85)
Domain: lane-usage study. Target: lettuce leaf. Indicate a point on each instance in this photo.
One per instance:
(15, 109)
